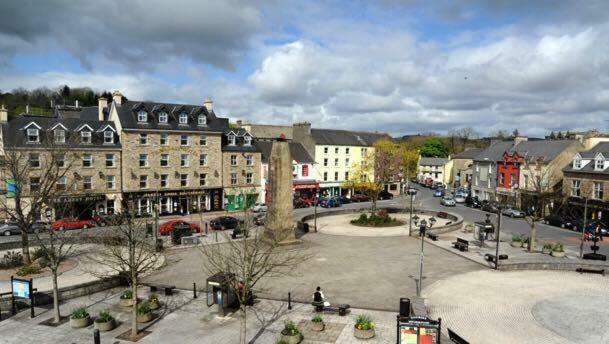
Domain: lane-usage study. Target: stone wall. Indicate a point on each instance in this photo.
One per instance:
(241, 169)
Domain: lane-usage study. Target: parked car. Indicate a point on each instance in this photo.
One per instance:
(438, 193)
(299, 203)
(512, 212)
(561, 220)
(473, 202)
(71, 223)
(428, 182)
(309, 201)
(107, 220)
(9, 229)
(259, 207)
(168, 226)
(344, 200)
(329, 203)
(491, 207)
(385, 195)
(260, 220)
(448, 201)
(412, 191)
(358, 197)
(225, 222)
(459, 198)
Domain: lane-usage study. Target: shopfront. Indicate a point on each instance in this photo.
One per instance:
(84, 207)
(175, 202)
(238, 198)
(305, 189)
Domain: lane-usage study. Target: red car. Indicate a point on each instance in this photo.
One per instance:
(359, 198)
(166, 227)
(71, 223)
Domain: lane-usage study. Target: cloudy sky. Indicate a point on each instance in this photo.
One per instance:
(396, 66)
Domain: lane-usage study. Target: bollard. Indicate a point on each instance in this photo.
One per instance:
(216, 236)
(289, 300)
(194, 290)
(96, 339)
(205, 228)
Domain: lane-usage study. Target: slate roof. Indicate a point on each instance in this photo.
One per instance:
(494, 152)
(546, 149)
(266, 131)
(345, 137)
(424, 161)
(239, 141)
(14, 132)
(601, 147)
(297, 151)
(468, 153)
(88, 113)
(127, 113)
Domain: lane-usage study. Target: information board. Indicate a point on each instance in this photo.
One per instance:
(21, 288)
(419, 330)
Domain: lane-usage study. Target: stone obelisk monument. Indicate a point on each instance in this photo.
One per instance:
(280, 220)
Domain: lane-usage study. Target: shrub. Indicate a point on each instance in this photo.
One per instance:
(153, 298)
(317, 319)
(103, 317)
(143, 308)
(38, 253)
(364, 322)
(28, 270)
(11, 260)
(558, 247)
(379, 218)
(525, 239)
(290, 329)
(516, 238)
(79, 313)
(547, 246)
(127, 294)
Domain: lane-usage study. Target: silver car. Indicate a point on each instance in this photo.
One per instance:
(9, 229)
(448, 201)
(512, 212)
(459, 198)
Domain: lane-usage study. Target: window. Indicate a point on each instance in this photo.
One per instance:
(248, 178)
(477, 168)
(490, 169)
(336, 150)
(62, 182)
(577, 163)
(183, 179)
(325, 150)
(325, 176)
(576, 187)
(335, 175)
(347, 150)
(164, 178)
(526, 181)
(108, 137)
(86, 182)
(502, 178)
(233, 160)
(364, 151)
(247, 140)
(203, 140)
(183, 118)
(143, 181)
(326, 162)
(60, 135)
(202, 120)
(60, 160)
(85, 136)
(109, 160)
(163, 139)
(87, 160)
(142, 116)
(599, 164)
(184, 160)
(336, 162)
(164, 160)
(184, 140)
(32, 136)
(110, 184)
(512, 180)
(143, 139)
(202, 159)
(346, 175)
(163, 117)
(233, 178)
(249, 160)
(34, 160)
(231, 139)
(347, 162)
(598, 190)
(202, 179)
(143, 160)
(34, 184)
(305, 170)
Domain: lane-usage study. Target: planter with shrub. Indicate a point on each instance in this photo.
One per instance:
(379, 219)
(28, 270)
(126, 299)
(558, 250)
(364, 327)
(80, 318)
(516, 240)
(11, 259)
(144, 313)
(317, 323)
(104, 321)
(547, 248)
(290, 333)
(153, 299)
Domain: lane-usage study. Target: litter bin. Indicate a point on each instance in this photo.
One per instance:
(305, 227)
(220, 292)
(178, 231)
(149, 228)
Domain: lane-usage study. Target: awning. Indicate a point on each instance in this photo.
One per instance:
(305, 184)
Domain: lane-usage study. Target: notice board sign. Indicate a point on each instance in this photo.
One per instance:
(418, 330)
(21, 288)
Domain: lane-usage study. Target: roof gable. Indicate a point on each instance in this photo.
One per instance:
(32, 124)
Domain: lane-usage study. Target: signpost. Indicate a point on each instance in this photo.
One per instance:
(22, 288)
(418, 330)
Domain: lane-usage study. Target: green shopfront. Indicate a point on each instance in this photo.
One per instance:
(239, 198)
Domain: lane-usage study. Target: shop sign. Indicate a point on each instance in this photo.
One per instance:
(170, 193)
(306, 186)
(80, 198)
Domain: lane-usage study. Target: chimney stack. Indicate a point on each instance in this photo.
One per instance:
(209, 104)
(27, 109)
(239, 123)
(117, 97)
(519, 139)
(76, 103)
(102, 103)
(3, 114)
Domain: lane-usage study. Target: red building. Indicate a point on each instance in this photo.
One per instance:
(508, 170)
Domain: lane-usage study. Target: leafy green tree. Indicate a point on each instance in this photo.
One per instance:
(434, 147)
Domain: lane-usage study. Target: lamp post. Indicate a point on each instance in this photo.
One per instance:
(412, 193)
(422, 229)
(583, 237)
(315, 211)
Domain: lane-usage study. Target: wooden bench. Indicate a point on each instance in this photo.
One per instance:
(491, 257)
(591, 271)
(168, 289)
(455, 338)
(432, 236)
(461, 244)
(340, 309)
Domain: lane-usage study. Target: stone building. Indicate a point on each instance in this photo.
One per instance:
(462, 171)
(241, 161)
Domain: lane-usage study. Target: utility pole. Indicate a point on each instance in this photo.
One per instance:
(315, 211)
(581, 244)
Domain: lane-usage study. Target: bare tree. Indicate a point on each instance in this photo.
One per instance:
(246, 262)
(130, 252)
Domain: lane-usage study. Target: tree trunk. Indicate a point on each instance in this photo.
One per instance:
(56, 314)
(25, 247)
(532, 236)
(134, 310)
(243, 332)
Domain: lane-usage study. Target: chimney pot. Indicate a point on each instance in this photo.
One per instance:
(3, 114)
(76, 103)
(117, 97)
(209, 104)
(27, 108)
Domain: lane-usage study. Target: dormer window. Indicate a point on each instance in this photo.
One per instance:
(183, 118)
(108, 137)
(33, 136)
(60, 135)
(231, 139)
(577, 163)
(142, 116)
(599, 164)
(163, 117)
(202, 120)
(85, 136)
(247, 140)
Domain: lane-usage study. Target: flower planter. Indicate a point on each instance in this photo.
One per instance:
(125, 302)
(558, 254)
(154, 305)
(363, 334)
(104, 326)
(291, 339)
(516, 244)
(80, 323)
(144, 318)
(546, 251)
(317, 326)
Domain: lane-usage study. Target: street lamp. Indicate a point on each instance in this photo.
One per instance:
(422, 229)
(315, 212)
(412, 193)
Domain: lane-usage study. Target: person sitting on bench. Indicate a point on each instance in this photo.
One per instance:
(318, 296)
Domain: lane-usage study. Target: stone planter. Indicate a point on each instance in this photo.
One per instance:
(317, 326)
(80, 323)
(104, 326)
(558, 254)
(144, 318)
(125, 302)
(516, 244)
(154, 305)
(546, 251)
(363, 334)
(292, 339)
